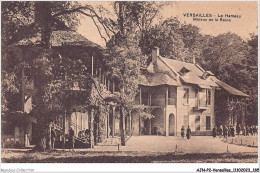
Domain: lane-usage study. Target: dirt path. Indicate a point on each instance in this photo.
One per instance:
(197, 144)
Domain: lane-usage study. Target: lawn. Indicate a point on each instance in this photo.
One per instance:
(251, 141)
(65, 156)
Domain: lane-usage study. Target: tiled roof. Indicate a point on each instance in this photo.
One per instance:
(62, 38)
(168, 68)
(231, 90)
(155, 79)
(194, 76)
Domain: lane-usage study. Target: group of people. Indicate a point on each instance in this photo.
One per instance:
(188, 132)
(81, 134)
(71, 137)
(227, 131)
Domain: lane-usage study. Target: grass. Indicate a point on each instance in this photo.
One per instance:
(250, 141)
(65, 156)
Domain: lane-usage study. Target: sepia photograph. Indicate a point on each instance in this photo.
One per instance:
(129, 82)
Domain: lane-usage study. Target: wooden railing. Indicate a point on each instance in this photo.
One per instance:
(156, 102)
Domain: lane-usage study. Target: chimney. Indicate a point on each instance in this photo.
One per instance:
(194, 60)
(155, 54)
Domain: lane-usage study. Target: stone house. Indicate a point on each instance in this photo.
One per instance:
(177, 94)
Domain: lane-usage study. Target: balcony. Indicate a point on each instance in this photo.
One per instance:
(201, 104)
(156, 102)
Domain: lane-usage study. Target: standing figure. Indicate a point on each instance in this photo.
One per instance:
(53, 137)
(225, 132)
(71, 139)
(238, 129)
(87, 138)
(247, 130)
(188, 133)
(254, 130)
(182, 132)
(232, 131)
(220, 131)
(214, 131)
(229, 131)
(251, 130)
(243, 130)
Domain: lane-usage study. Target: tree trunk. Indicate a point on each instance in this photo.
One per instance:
(43, 20)
(96, 128)
(91, 127)
(122, 125)
(41, 136)
(48, 138)
(121, 17)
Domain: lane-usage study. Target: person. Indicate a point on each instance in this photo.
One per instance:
(225, 132)
(251, 130)
(188, 133)
(214, 132)
(254, 130)
(243, 130)
(220, 131)
(229, 131)
(182, 132)
(247, 130)
(238, 128)
(87, 135)
(53, 137)
(71, 138)
(232, 131)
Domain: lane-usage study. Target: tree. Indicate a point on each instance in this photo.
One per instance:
(125, 66)
(44, 17)
(23, 20)
(233, 61)
(175, 40)
(126, 59)
(252, 87)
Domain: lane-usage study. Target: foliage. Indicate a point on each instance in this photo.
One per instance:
(132, 34)
(228, 56)
(143, 112)
(175, 40)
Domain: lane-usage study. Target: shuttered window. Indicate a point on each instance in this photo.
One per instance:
(208, 123)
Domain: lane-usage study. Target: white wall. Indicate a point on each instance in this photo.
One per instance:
(186, 113)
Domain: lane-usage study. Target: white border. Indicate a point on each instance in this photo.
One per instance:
(131, 167)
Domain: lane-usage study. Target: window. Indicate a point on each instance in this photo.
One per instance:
(145, 97)
(137, 99)
(197, 123)
(208, 123)
(186, 96)
(208, 97)
(184, 70)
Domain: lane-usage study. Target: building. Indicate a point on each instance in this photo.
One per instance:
(66, 44)
(174, 93)
(177, 94)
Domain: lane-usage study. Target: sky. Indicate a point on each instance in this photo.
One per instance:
(243, 22)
